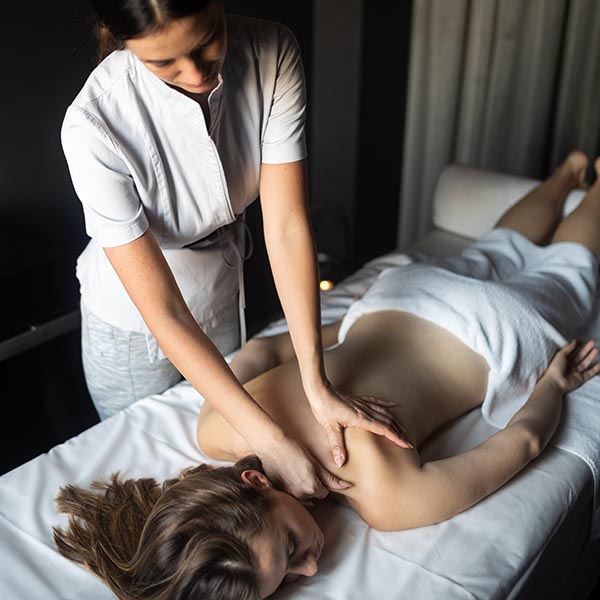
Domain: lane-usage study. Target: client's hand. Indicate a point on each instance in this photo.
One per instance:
(293, 469)
(336, 410)
(570, 369)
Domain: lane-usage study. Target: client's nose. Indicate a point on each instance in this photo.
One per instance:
(308, 567)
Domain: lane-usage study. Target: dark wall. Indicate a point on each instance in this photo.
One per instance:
(384, 79)
(44, 61)
(296, 15)
(360, 69)
(45, 56)
(334, 127)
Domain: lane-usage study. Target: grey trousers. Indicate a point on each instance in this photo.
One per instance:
(117, 367)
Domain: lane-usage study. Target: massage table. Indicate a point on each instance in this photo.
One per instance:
(531, 539)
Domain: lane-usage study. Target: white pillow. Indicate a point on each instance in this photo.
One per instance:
(469, 201)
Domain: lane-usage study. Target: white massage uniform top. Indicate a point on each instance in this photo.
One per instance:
(140, 157)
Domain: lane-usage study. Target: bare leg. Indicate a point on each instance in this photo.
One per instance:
(583, 224)
(536, 215)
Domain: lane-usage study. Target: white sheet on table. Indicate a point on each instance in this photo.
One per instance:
(155, 437)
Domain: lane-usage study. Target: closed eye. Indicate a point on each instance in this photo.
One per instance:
(165, 63)
(291, 548)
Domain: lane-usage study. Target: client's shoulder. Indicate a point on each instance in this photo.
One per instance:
(387, 482)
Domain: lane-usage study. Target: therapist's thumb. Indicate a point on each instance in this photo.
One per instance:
(335, 435)
(333, 483)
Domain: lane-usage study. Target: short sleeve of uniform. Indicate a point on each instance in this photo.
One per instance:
(112, 208)
(284, 138)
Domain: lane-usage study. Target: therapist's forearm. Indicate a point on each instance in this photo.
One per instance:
(295, 271)
(149, 282)
(200, 362)
(292, 254)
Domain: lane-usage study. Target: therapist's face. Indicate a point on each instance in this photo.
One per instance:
(291, 546)
(187, 53)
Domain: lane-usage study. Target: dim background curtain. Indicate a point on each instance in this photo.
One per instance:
(508, 85)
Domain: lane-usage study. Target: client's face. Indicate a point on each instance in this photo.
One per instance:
(292, 545)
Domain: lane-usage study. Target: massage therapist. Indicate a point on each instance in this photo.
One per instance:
(188, 118)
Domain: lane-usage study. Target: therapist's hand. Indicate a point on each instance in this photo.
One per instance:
(335, 410)
(294, 470)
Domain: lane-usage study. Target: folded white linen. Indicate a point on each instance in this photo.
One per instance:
(514, 303)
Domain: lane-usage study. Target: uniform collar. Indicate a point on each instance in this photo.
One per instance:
(179, 103)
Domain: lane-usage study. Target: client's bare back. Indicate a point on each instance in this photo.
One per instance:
(431, 375)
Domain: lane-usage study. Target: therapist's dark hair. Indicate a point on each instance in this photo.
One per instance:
(121, 20)
(189, 538)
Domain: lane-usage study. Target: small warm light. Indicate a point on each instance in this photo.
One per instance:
(326, 285)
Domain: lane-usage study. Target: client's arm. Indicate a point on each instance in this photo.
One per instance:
(437, 490)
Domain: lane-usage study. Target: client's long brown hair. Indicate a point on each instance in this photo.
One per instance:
(187, 539)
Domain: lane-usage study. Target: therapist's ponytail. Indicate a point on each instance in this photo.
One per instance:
(121, 20)
(106, 41)
(189, 538)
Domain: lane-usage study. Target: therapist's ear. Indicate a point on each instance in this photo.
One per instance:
(256, 479)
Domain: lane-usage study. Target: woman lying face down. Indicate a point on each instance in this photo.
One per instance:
(229, 533)
(232, 533)
(209, 533)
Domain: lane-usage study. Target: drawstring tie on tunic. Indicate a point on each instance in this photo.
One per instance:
(236, 244)
(235, 253)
